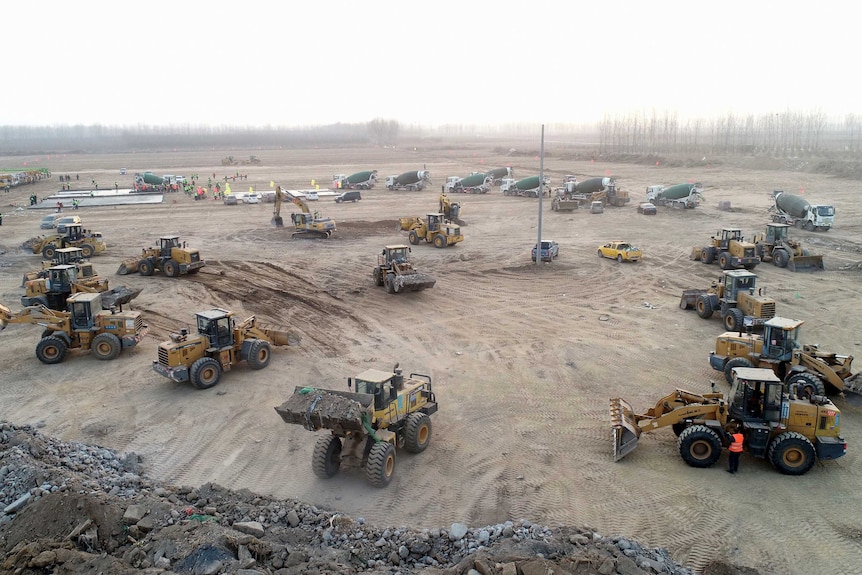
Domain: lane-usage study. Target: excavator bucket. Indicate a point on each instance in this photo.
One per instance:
(278, 221)
(805, 263)
(119, 295)
(129, 266)
(626, 431)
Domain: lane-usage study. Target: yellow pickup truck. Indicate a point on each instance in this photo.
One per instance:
(620, 251)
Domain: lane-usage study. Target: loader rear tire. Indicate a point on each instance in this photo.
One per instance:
(87, 250)
(809, 384)
(51, 350)
(724, 261)
(378, 276)
(704, 308)
(791, 453)
(106, 346)
(733, 363)
(172, 269)
(259, 354)
(145, 267)
(699, 446)
(417, 432)
(780, 258)
(440, 241)
(413, 238)
(205, 373)
(381, 464)
(734, 319)
(49, 251)
(326, 459)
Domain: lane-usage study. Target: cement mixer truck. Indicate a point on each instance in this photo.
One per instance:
(497, 175)
(414, 181)
(796, 211)
(364, 180)
(530, 187)
(679, 196)
(476, 183)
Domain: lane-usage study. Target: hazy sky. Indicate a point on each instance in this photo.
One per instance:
(316, 62)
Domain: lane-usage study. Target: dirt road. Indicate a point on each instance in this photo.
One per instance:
(524, 358)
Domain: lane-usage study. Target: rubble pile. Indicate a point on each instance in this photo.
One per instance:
(73, 508)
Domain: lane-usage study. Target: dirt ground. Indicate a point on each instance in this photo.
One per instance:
(524, 359)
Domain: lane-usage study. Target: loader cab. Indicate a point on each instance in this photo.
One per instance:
(757, 395)
(434, 221)
(84, 307)
(395, 254)
(217, 325)
(727, 235)
(776, 233)
(780, 338)
(68, 255)
(166, 244)
(74, 232)
(60, 278)
(736, 281)
(380, 384)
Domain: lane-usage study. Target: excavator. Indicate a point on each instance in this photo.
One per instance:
(450, 210)
(306, 224)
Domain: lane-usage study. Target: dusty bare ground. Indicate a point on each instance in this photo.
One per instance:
(523, 359)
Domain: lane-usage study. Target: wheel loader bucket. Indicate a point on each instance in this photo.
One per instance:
(130, 266)
(414, 282)
(626, 431)
(119, 295)
(689, 298)
(695, 253)
(339, 411)
(406, 224)
(805, 264)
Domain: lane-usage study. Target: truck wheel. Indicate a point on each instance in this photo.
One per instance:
(703, 305)
(390, 283)
(172, 269)
(326, 459)
(780, 258)
(809, 226)
(724, 260)
(707, 256)
(49, 251)
(381, 464)
(791, 453)
(259, 354)
(734, 319)
(440, 241)
(413, 238)
(733, 363)
(417, 432)
(51, 349)
(378, 276)
(145, 267)
(699, 446)
(106, 346)
(619, 258)
(205, 373)
(87, 250)
(809, 384)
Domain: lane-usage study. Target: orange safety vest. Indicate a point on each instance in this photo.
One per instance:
(736, 446)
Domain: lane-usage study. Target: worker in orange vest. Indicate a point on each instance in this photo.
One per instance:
(735, 449)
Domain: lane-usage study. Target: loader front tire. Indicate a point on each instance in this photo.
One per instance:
(106, 346)
(417, 432)
(791, 453)
(145, 267)
(49, 251)
(381, 464)
(51, 349)
(706, 256)
(390, 283)
(809, 384)
(205, 373)
(780, 258)
(704, 308)
(326, 459)
(699, 446)
(259, 354)
(413, 238)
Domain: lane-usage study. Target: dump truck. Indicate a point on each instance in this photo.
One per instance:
(307, 224)
(728, 248)
(90, 242)
(796, 211)
(778, 348)
(530, 187)
(219, 345)
(736, 297)
(679, 196)
(790, 431)
(364, 180)
(62, 281)
(395, 271)
(774, 245)
(170, 256)
(414, 181)
(497, 175)
(475, 183)
(382, 412)
(433, 228)
(84, 325)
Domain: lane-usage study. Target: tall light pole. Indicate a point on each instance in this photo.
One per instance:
(541, 193)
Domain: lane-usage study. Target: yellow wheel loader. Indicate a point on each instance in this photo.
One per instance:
(774, 245)
(387, 411)
(170, 257)
(84, 325)
(736, 297)
(434, 229)
(61, 281)
(729, 249)
(790, 431)
(395, 271)
(219, 345)
(778, 349)
(91, 243)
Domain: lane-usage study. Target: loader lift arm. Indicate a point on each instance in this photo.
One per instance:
(34, 314)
